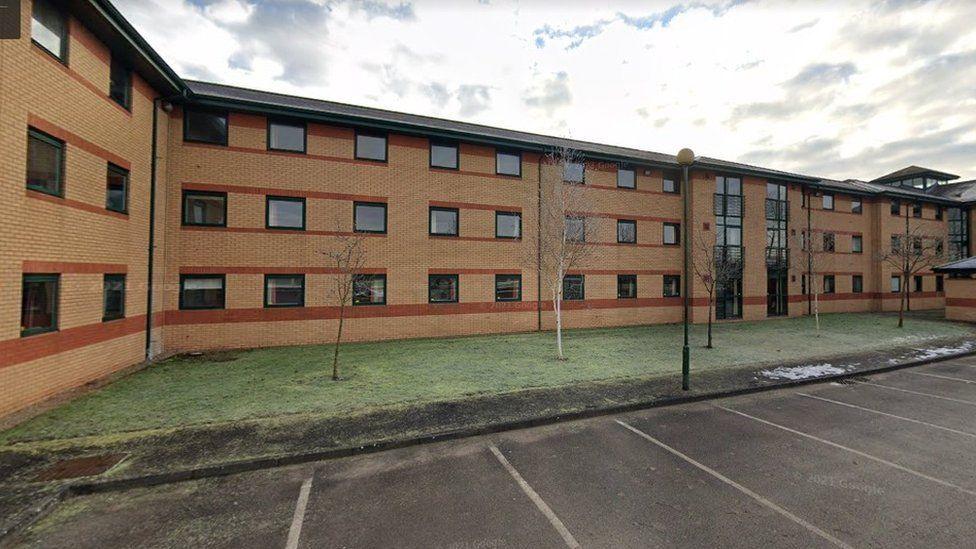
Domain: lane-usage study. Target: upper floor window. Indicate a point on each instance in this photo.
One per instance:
(508, 225)
(49, 29)
(574, 172)
(626, 178)
(828, 201)
(672, 286)
(444, 154)
(857, 244)
(917, 209)
(39, 304)
(205, 127)
(829, 242)
(443, 221)
(672, 233)
(626, 231)
(285, 212)
(856, 205)
(896, 207)
(575, 229)
(120, 84)
(371, 146)
(670, 183)
(369, 217)
(113, 297)
(202, 291)
(205, 208)
(508, 163)
(938, 212)
(573, 288)
(284, 290)
(117, 189)
(287, 136)
(45, 163)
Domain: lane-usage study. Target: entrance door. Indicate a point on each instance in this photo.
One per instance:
(777, 292)
(728, 300)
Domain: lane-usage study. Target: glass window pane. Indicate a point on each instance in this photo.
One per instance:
(47, 27)
(39, 303)
(370, 218)
(371, 147)
(733, 186)
(575, 229)
(626, 178)
(443, 288)
(671, 233)
(508, 287)
(670, 185)
(286, 213)
(626, 286)
(508, 225)
(205, 127)
(573, 172)
(120, 83)
(204, 209)
(626, 232)
(284, 290)
(443, 155)
(117, 187)
(443, 221)
(44, 161)
(113, 297)
(672, 286)
(369, 290)
(508, 163)
(202, 292)
(573, 288)
(285, 136)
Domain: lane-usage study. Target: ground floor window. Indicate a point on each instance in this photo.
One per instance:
(939, 284)
(443, 288)
(284, 290)
(508, 287)
(895, 283)
(369, 290)
(728, 299)
(829, 285)
(917, 284)
(573, 288)
(39, 304)
(626, 286)
(672, 286)
(777, 292)
(113, 297)
(857, 284)
(202, 292)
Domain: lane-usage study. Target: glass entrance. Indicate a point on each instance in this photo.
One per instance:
(728, 300)
(777, 293)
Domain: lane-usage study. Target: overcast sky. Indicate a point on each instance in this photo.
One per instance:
(841, 89)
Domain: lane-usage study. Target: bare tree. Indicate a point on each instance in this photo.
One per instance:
(911, 253)
(713, 267)
(810, 256)
(347, 257)
(563, 227)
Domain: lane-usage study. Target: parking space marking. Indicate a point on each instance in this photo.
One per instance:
(536, 499)
(761, 500)
(865, 455)
(930, 395)
(940, 377)
(295, 532)
(879, 412)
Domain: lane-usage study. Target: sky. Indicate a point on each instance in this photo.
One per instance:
(837, 89)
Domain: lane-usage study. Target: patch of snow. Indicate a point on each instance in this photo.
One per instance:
(805, 372)
(923, 354)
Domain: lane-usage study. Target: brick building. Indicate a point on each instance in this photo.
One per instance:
(160, 215)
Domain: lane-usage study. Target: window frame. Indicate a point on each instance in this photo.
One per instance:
(372, 133)
(626, 168)
(430, 220)
(55, 307)
(939, 284)
(582, 280)
(824, 200)
(857, 284)
(287, 122)
(457, 288)
(622, 277)
(891, 283)
(674, 178)
(126, 102)
(62, 148)
(582, 232)
(509, 152)
(216, 112)
(857, 248)
(918, 284)
(859, 208)
(625, 222)
(894, 207)
(664, 287)
(183, 217)
(223, 291)
(62, 56)
(119, 170)
(677, 234)
(386, 213)
(829, 238)
(360, 278)
(444, 143)
(833, 284)
(268, 277)
(582, 180)
(267, 212)
(510, 276)
(499, 213)
(917, 210)
(105, 280)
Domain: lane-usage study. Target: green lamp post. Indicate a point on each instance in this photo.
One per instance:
(686, 157)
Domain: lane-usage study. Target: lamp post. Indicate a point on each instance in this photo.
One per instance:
(686, 157)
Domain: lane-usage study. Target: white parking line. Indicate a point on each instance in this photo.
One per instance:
(295, 532)
(930, 395)
(886, 414)
(882, 461)
(940, 377)
(761, 500)
(536, 499)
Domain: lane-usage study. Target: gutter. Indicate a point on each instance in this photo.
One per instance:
(150, 252)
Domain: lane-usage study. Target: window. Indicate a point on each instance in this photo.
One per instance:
(48, 28)
(626, 178)
(670, 183)
(508, 287)
(442, 288)
(828, 201)
(895, 243)
(285, 212)
(895, 283)
(205, 127)
(39, 304)
(857, 244)
(286, 135)
(829, 285)
(371, 146)
(626, 231)
(369, 290)
(45, 163)
(829, 242)
(672, 286)
(573, 288)
(205, 208)
(895, 207)
(575, 229)
(938, 213)
(856, 205)
(113, 297)
(917, 209)
(369, 217)
(939, 283)
(626, 286)
(508, 225)
(917, 287)
(284, 290)
(120, 84)
(857, 284)
(443, 221)
(201, 291)
(117, 189)
(574, 172)
(444, 155)
(508, 163)
(958, 233)
(671, 233)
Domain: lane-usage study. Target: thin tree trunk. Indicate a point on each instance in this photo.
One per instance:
(901, 308)
(335, 355)
(816, 310)
(710, 297)
(557, 307)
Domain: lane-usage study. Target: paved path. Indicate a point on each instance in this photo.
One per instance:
(890, 461)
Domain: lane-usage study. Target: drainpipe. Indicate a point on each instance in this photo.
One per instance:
(538, 249)
(685, 159)
(152, 230)
(809, 242)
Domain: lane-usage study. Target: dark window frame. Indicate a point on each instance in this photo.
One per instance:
(626, 168)
(183, 213)
(509, 152)
(62, 153)
(582, 284)
(895, 207)
(623, 277)
(457, 288)
(823, 201)
(892, 279)
(223, 291)
(829, 288)
(664, 288)
(939, 283)
(62, 56)
(859, 249)
(119, 170)
(267, 212)
(677, 234)
(216, 112)
(857, 284)
(126, 99)
(582, 232)
(372, 133)
(918, 284)
(509, 276)
(287, 122)
(917, 210)
(55, 307)
(499, 213)
(360, 278)
(582, 180)
(625, 222)
(430, 220)
(444, 143)
(386, 214)
(857, 206)
(829, 242)
(268, 277)
(673, 177)
(105, 280)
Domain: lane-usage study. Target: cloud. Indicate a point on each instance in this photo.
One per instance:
(821, 74)
(473, 98)
(553, 94)
(437, 92)
(803, 26)
(576, 35)
(373, 9)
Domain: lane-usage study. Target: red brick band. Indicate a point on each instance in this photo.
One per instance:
(24, 349)
(242, 189)
(65, 267)
(474, 206)
(76, 204)
(76, 140)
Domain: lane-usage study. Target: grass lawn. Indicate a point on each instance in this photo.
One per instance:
(269, 382)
